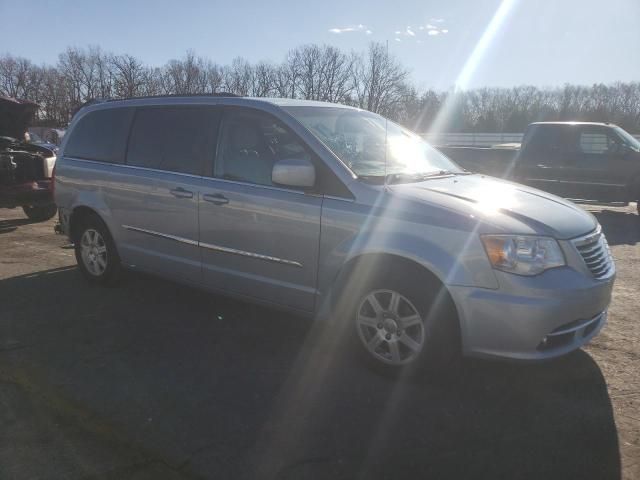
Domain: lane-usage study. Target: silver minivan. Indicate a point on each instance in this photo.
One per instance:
(335, 213)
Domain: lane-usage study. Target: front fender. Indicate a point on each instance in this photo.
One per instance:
(455, 261)
(454, 254)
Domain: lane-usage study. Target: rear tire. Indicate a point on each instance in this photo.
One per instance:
(40, 213)
(96, 253)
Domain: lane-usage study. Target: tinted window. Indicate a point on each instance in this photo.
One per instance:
(596, 143)
(101, 135)
(543, 139)
(251, 142)
(178, 139)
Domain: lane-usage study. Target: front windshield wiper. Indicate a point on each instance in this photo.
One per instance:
(392, 178)
(417, 177)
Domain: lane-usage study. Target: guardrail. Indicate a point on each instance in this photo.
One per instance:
(475, 139)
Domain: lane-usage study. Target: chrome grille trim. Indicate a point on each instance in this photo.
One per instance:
(595, 252)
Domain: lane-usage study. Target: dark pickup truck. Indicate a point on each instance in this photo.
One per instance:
(580, 160)
(25, 168)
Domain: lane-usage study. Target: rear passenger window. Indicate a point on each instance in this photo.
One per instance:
(251, 142)
(177, 139)
(101, 135)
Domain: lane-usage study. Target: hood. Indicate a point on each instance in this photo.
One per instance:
(15, 116)
(506, 206)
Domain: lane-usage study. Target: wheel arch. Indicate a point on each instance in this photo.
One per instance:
(78, 214)
(367, 264)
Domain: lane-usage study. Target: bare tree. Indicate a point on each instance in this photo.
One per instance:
(378, 79)
(372, 80)
(183, 76)
(129, 76)
(335, 75)
(238, 77)
(264, 80)
(16, 76)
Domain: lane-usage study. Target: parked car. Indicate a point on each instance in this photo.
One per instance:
(581, 160)
(25, 168)
(336, 213)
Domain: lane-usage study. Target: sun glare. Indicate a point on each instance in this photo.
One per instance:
(406, 151)
(474, 60)
(495, 198)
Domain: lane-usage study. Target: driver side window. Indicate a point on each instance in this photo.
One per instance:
(251, 142)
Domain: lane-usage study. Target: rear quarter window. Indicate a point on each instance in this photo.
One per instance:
(101, 135)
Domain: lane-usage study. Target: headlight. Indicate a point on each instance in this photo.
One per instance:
(49, 162)
(523, 254)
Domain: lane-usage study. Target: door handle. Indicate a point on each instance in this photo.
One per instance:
(540, 165)
(215, 198)
(181, 193)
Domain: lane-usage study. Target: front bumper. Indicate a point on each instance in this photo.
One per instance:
(532, 318)
(26, 194)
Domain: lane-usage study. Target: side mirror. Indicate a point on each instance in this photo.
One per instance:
(293, 172)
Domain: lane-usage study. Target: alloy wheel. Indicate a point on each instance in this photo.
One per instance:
(390, 327)
(93, 250)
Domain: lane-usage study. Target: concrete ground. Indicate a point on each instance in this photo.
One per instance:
(153, 380)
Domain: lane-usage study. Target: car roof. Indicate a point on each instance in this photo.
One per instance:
(215, 99)
(262, 103)
(601, 124)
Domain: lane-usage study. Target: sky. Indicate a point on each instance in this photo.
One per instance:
(470, 43)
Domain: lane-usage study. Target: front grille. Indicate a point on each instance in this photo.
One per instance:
(595, 252)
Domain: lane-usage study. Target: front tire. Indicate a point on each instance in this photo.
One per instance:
(404, 321)
(390, 327)
(96, 252)
(40, 213)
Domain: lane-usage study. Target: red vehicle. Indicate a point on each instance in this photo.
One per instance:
(25, 168)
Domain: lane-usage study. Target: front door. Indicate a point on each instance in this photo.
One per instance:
(597, 170)
(258, 239)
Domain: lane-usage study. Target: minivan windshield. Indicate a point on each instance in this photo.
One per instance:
(372, 146)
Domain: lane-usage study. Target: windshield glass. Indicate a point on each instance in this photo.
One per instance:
(370, 145)
(629, 139)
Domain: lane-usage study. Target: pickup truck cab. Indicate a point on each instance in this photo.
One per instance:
(580, 160)
(335, 213)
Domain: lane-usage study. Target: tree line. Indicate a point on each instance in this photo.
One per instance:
(373, 80)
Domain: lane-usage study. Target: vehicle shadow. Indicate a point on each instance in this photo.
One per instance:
(10, 225)
(619, 227)
(225, 389)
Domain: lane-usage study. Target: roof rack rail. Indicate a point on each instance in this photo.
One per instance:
(176, 95)
(91, 101)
